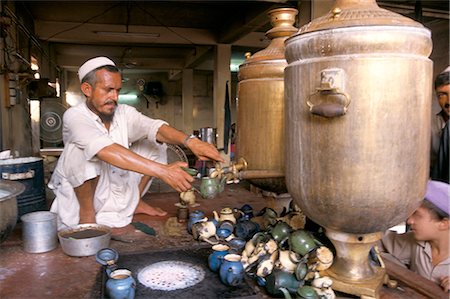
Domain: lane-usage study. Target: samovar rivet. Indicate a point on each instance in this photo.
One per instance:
(336, 11)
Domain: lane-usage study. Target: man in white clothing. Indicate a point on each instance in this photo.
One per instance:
(111, 152)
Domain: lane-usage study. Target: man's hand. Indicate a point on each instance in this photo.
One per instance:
(445, 283)
(174, 175)
(203, 150)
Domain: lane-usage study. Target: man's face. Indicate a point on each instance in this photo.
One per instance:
(423, 224)
(102, 98)
(442, 93)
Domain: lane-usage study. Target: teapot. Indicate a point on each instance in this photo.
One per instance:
(278, 282)
(194, 217)
(210, 187)
(302, 242)
(121, 285)
(203, 230)
(231, 271)
(226, 214)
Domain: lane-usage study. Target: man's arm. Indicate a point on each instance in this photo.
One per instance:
(124, 158)
(203, 150)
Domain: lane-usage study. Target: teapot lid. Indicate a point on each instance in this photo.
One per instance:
(107, 256)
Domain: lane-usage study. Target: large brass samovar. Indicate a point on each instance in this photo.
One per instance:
(358, 99)
(260, 124)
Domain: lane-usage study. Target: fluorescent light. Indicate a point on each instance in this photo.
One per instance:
(127, 98)
(127, 34)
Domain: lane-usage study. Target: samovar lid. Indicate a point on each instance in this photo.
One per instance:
(350, 13)
(282, 20)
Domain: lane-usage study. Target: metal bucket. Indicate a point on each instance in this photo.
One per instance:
(30, 172)
(39, 232)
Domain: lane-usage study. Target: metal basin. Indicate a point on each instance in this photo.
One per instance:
(84, 239)
(8, 206)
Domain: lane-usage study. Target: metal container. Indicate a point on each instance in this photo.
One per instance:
(260, 124)
(8, 206)
(84, 239)
(209, 135)
(364, 167)
(358, 99)
(30, 172)
(39, 232)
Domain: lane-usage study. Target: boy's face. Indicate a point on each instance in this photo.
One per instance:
(423, 224)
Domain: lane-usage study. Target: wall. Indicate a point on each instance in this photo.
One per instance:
(169, 107)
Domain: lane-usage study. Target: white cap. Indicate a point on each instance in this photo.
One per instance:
(92, 64)
(447, 69)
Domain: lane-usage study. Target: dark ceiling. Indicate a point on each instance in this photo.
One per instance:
(169, 34)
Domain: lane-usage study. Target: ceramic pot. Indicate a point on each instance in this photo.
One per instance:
(246, 229)
(247, 211)
(223, 233)
(209, 187)
(231, 271)
(194, 217)
(215, 259)
(288, 261)
(280, 232)
(203, 230)
(307, 292)
(237, 245)
(121, 285)
(226, 214)
(279, 279)
(301, 242)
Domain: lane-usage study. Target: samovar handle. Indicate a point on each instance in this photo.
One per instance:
(329, 109)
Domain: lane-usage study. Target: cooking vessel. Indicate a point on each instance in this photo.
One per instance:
(8, 206)
(260, 124)
(84, 239)
(358, 100)
(358, 106)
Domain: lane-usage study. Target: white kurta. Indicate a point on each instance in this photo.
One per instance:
(117, 193)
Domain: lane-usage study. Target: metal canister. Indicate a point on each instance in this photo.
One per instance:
(260, 125)
(39, 231)
(358, 99)
(209, 135)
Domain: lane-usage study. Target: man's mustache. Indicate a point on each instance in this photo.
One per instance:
(111, 102)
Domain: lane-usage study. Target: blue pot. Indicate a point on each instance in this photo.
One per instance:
(121, 285)
(194, 217)
(223, 233)
(246, 229)
(231, 271)
(215, 259)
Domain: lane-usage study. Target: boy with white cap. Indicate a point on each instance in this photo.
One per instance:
(425, 248)
(111, 152)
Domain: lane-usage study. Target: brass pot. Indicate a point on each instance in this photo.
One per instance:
(358, 100)
(260, 124)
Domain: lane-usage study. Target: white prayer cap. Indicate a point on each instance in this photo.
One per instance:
(447, 69)
(92, 64)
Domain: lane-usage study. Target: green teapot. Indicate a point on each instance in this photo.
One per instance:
(210, 187)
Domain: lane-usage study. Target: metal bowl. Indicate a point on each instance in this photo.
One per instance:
(84, 239)
(9, 191)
